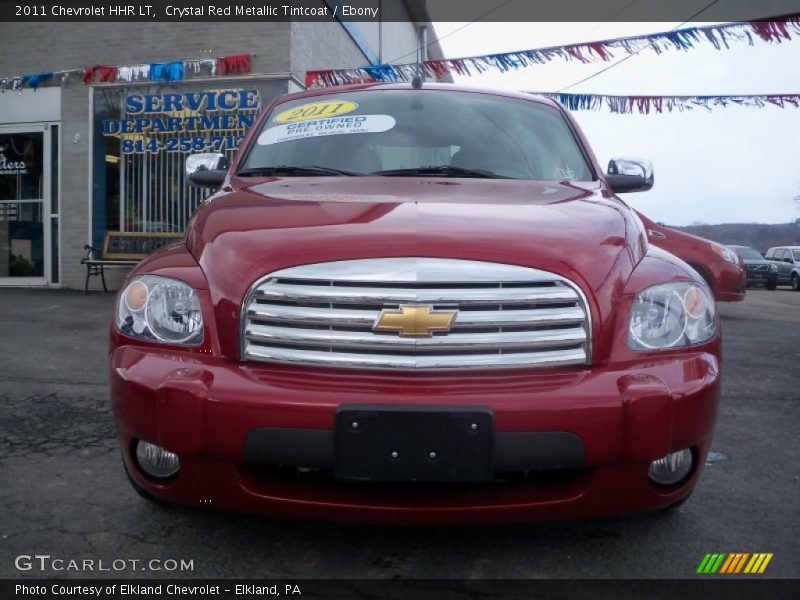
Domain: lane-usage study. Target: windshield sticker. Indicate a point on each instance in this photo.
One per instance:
(316, 110)
(324, 127)
(566, 173)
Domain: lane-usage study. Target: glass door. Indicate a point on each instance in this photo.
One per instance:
(25, 156)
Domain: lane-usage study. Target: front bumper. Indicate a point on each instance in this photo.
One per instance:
(731, 284)
(755, 278)
(209, 410)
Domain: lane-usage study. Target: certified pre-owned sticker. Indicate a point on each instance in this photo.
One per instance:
(323, 127)
(316, 110)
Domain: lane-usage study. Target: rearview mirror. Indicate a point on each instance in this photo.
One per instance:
(627, 175)
(206, 170)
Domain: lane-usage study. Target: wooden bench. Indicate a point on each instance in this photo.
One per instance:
(123, 249)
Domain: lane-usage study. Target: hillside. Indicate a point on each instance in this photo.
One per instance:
(758, 235)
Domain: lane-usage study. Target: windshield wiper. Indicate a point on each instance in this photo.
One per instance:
(294, 170)
(444, 170)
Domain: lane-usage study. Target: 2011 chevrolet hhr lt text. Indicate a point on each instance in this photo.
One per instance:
(415, 304)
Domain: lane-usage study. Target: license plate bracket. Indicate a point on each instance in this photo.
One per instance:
(413, 443)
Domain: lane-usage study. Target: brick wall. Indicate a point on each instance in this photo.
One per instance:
(279, 47)
(38, 47)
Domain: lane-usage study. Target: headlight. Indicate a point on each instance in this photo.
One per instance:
(725, 253)
(160, 309)
(773, 268)
(671, 315)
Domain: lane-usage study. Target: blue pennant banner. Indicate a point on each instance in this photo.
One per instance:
(659, 104)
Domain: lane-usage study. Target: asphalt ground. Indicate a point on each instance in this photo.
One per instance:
(63, 492)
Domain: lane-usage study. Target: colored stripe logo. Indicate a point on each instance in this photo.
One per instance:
(736, 562)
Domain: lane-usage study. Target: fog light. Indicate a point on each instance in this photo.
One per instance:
(671, 469)
(155, 461)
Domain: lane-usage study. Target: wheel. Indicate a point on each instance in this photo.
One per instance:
(770, 285)
(795, 282)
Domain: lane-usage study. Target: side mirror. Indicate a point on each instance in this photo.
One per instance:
(629, 175)
(206, 170)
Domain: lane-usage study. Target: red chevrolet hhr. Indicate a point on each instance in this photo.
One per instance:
(415, 304)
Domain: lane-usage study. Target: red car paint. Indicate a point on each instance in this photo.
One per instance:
(727, 280)
(628, 407)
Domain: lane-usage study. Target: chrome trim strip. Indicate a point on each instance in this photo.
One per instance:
(360, 295)
(371, 361)
(510, 318)
(413, 269)
(388, 342)
(306, 315)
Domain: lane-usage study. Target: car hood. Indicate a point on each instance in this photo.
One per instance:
(270, 224)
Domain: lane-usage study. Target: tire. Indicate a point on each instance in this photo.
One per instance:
(770, 285)
(795, 282)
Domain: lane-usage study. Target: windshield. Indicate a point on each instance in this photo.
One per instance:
(796, 254)
(417, 133)
(748, 253)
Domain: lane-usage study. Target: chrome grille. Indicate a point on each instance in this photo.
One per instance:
(757, 268)
(508, 316)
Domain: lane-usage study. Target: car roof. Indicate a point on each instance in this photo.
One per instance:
(785, 248)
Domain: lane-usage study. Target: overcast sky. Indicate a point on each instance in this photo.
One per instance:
(728, 165)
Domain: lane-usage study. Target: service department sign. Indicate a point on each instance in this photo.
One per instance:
(205, 121)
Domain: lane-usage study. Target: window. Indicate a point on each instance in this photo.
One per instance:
(22, 193)
(143, 134)
(747, 253)
(384, 130)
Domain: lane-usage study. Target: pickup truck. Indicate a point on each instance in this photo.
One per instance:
(421, 304)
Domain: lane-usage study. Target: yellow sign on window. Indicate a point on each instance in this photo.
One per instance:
(316, 110)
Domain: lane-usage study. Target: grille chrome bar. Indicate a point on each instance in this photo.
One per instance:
(364, 295)
(506, 315)
(304, 315)
(370, 341)
(551, 358)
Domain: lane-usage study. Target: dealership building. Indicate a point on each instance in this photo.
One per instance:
(103, 149)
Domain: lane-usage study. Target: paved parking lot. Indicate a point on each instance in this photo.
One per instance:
(63, 491)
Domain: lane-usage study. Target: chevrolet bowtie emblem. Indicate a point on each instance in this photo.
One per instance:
(415, 321)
